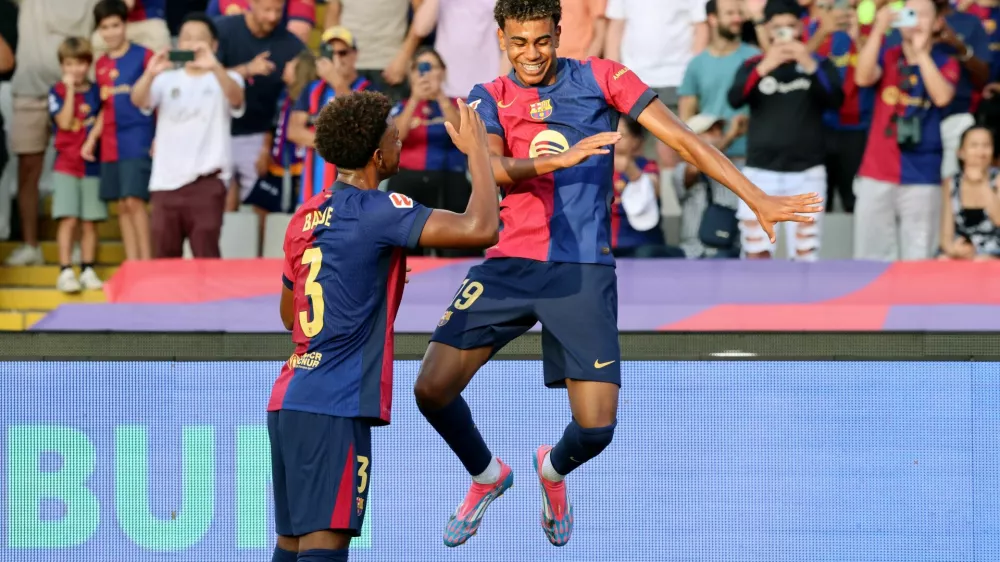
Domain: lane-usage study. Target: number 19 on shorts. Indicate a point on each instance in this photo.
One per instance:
(468, 294)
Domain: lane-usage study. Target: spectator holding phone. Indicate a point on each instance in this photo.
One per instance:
(431, 169)
(899, 183)
(338, 76)
(126, 135)
(833, 32)
(788, 90)
(74, 104)
(970, 206)
(195, 106)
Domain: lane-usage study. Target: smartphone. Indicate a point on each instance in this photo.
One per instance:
(905, 18)
(784, 35)
(180, 56)
(423, 68)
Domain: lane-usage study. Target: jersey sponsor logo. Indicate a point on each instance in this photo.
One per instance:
(119, 90)
(541, 111)
(502, 105)
(475, 104)
(891, 95)
(548, 142)
(305, 361)
(768, 85)
(400, 201)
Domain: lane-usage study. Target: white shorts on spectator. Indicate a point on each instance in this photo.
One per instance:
(803, 239)
(245, 152)
(951, 136)
(895, 222)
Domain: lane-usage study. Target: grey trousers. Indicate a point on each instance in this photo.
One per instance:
(895, 222)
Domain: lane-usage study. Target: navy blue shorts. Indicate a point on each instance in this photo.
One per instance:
(266, 194)
(320, 468)
(125, 178)
(577, 304)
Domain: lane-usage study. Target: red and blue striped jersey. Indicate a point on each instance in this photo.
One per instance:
(428, 146)
(346, 265)
(319, 174)
(622, 233)
(87, 105)
(990, 17)
(148, 9)
(285, 154)
(901, 94)
(855, 113)
(563, 216)
(127, 132)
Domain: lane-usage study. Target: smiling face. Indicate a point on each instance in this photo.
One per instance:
(531, 49)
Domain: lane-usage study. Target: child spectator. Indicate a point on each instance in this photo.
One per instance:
(193, 163)
(280, 170)
(74, 104)
(126, 134)
(970, 209)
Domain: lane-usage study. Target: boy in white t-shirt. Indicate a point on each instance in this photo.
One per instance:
(192, 162)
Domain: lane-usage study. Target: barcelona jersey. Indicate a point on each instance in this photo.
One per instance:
(428, 147)
(564, 216)
(346, 265)
(86, 106)
(128, 133)
(623, 235)
(856, 112)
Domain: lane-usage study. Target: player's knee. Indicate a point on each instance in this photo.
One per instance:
(596, 439)
(430, 394)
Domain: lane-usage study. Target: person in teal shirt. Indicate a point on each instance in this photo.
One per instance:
(710, 74)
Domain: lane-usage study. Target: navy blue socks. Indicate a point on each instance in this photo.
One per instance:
(284, 555)
(454, 424)
(578, 445)
(323, 556)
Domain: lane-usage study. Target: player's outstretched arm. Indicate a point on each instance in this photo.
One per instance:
(657, 119)
(478, 226)
(509, 170)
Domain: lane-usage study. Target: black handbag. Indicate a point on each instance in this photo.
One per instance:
(719, 228)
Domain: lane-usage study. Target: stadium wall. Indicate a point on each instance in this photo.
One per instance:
(718, 460)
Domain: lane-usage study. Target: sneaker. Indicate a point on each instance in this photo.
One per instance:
(26, 255)
(557, 513)
(90, 280)
(67, 282)
(465, 521)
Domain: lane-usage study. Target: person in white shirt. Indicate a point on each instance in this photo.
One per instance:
(192, 159)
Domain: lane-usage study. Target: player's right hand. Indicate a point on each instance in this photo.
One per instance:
(590, 146)
(471, 133)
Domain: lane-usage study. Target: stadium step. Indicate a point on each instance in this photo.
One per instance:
(14, 321)
(43, 276)
(108, 253)
(37, 300)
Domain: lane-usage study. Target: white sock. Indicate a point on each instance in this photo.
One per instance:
(548, 472)
(490, 475)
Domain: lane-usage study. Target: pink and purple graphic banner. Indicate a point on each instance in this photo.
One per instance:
(654, 295)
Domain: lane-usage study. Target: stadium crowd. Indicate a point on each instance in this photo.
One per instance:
(183, 111)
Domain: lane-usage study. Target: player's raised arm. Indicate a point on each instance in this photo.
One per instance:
(478, 226)
(769, 209)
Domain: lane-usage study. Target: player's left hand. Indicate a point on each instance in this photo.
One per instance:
(204, 58)
(772, 209)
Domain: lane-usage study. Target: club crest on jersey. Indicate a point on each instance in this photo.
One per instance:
(542, 110)
(445, 318)
(400, 201)
(361, 506)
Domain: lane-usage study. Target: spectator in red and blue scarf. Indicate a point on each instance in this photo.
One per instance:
(431, 170)
(832, 31)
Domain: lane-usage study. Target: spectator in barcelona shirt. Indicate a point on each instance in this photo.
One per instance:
(431, 169)
(195, 105)
(338, 76)
(970, 206)
(834, 33)
(257, 47)
(899, 184)
(146, 25)
(707, 80)
(788, 90)
(299, 16)
(74, 104)
(126, 135)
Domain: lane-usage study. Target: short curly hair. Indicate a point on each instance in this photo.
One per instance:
(350, 128)
(527, 10)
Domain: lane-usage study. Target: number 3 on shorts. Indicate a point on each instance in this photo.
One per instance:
(362, 473)
(468, 293)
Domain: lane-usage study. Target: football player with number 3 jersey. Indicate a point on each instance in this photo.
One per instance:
(343, 280)
(552, 125)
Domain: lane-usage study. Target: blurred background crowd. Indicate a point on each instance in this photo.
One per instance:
(141, 129)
